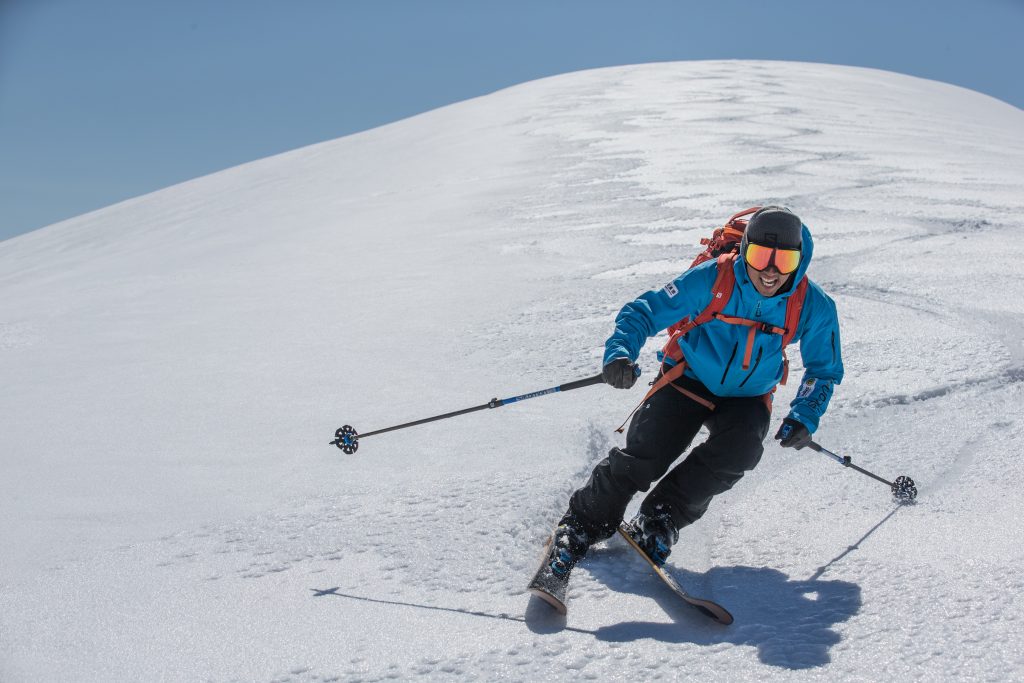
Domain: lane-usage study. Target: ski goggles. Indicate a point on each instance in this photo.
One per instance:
(759, 257)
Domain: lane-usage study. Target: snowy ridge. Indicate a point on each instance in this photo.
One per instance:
(175, 365)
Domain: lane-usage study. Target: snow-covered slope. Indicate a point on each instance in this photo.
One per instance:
(174, 366)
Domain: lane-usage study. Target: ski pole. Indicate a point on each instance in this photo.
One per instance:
(347, 439)
(903, 488)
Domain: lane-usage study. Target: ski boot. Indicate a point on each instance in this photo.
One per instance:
(654, 533)
(567, 546)
(570, 546)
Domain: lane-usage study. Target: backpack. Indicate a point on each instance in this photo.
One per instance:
(724, 246)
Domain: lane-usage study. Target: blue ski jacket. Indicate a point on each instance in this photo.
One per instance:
(714, 350)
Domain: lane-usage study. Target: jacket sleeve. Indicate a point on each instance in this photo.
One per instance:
(659, 309)
(822, 357)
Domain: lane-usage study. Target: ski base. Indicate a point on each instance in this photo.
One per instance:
(549, 598)
(708, 608)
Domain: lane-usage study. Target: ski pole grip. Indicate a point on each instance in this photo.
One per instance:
(824, 451)
(580, 383)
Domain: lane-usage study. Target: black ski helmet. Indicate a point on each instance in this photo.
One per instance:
(773, 226)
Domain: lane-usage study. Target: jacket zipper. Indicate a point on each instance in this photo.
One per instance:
(758, 360)
(727, 365)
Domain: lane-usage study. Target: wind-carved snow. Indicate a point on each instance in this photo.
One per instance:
(174, 367)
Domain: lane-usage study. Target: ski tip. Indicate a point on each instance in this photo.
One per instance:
(718, 613)
(557, 604)
(708, 608)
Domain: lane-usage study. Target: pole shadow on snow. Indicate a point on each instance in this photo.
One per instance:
(825, 567)
(540, 618)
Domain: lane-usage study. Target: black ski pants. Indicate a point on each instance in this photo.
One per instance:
(660, 431)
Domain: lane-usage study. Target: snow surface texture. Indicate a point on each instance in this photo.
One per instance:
(174, 366)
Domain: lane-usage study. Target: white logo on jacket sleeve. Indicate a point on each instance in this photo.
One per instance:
(671, 289)
(806, 388)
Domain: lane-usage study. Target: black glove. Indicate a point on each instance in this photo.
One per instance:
(793, 434)
(620, 373)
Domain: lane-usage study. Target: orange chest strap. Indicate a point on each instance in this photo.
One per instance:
(794, 307)
(754, 326)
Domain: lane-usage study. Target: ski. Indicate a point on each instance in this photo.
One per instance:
(546, 585)
(708, 608)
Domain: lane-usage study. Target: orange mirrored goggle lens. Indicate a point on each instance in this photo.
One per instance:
(760, 257)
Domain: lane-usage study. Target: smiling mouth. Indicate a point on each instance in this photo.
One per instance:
(769, 281)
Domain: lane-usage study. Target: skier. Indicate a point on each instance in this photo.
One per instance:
(720, 374)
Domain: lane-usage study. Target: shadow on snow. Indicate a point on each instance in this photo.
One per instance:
(790, 621)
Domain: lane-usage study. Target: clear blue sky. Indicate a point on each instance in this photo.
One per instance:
(102, 100)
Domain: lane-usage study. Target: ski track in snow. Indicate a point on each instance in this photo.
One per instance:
(409, 559)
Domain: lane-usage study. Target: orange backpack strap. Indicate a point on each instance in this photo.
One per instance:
(721, 290)
(794, 307)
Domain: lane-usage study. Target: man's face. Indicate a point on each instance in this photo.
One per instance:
(769, 281)
(766, 263)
